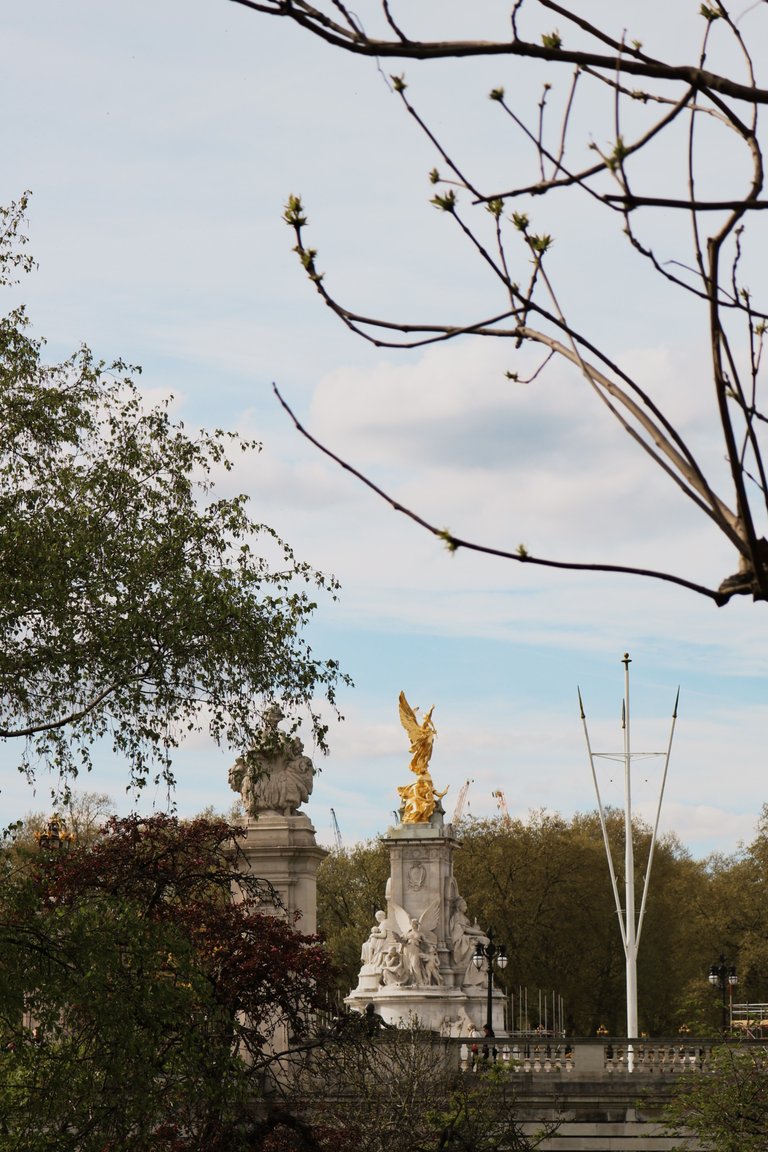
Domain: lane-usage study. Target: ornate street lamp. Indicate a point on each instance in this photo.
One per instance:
(490, 954)
(723, 976)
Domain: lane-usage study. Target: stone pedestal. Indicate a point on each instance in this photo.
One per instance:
(417, 961)
(283, 850)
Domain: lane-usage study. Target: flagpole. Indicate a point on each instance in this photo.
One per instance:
(629, 925)
(629, 881)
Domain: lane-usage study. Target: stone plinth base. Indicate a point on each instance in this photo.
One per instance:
(283, 851)
(448, 1011)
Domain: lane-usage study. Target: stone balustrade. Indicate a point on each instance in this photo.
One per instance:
(599, 1057)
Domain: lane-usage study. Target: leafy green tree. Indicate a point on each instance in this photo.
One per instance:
(735, 918)
(350, 888)
(675, 952)
(543, 885)
(660, 150)
(725, 1107)
(752, 945)
(143, 979)
(135, 606)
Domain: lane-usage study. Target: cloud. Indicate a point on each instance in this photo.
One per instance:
(447, 436)
(539, 760)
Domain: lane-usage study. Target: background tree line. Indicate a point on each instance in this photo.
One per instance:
(543, 885)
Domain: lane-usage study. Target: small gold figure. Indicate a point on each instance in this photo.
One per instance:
(418, 798)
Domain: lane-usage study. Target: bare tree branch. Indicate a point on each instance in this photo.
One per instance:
(634, 63)
(619, 173)
(455, 543)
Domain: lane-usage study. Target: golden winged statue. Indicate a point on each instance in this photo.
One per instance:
(421, 735)
(418, 799)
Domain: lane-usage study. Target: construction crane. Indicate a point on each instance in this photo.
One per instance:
(336, 832)
(461, 801)
(501, 802)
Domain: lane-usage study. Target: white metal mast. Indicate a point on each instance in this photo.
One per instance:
(630, 944)
(630, 926)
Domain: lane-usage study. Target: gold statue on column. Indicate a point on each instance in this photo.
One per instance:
(418, 798)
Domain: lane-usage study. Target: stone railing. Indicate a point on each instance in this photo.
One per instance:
(660, 1057)
(599, 1057)
(516, 1055)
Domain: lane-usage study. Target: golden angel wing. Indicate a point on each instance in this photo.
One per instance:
(408, 719)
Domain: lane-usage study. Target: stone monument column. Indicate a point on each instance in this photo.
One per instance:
(274, 779)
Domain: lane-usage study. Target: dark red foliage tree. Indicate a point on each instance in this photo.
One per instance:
(146, 977)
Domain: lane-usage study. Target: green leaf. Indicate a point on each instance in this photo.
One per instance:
(446, 202)
(294, 212)
(540, 244)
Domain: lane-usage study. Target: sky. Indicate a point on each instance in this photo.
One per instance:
(160, 142)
